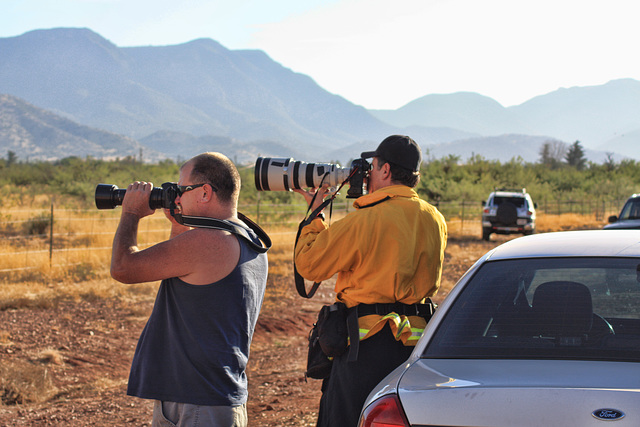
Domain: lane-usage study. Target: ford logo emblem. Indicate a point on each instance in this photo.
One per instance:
(608, 414)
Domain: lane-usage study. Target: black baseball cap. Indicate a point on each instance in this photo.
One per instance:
(398, 149)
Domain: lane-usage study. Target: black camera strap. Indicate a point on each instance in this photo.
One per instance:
(299, 280)
(231, 227)
(300, 285)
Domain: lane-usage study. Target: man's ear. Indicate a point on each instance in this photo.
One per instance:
(208, 193)
(386, 170)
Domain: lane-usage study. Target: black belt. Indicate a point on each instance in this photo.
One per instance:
(423, 310)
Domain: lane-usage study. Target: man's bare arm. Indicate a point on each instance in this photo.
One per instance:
(125, 243)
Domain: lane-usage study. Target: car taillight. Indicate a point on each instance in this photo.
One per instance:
(486, 210)
(384, 412)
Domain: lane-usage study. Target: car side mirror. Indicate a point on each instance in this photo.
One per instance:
(613, 218)
(484, 203)
(535, 205)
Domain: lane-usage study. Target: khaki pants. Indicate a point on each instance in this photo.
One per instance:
(169, 414)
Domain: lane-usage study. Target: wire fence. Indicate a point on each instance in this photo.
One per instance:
(471, 211)
(53, 238)
(37, 238)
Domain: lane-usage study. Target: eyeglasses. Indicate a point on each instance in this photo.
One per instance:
(184, 188)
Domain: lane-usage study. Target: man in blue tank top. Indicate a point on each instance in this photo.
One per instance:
(192, 354)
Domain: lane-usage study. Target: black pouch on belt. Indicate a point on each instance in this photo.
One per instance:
(332, 329)
(327, 339)
(318, 364)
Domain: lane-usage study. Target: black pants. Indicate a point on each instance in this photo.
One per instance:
(349, 384)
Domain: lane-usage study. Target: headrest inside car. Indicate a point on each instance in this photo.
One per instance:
(562, 309)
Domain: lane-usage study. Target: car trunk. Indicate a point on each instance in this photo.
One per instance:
(519, 392)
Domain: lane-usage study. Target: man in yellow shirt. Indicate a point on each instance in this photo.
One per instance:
(388, 255)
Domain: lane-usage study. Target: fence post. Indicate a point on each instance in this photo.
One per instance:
(51, 238)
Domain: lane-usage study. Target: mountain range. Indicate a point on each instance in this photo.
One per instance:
(69, 91)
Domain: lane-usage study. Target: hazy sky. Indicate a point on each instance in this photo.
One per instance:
(381, 53)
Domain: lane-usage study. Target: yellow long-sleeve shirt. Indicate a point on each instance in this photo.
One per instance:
(390, 249)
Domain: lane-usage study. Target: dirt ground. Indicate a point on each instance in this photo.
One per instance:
(76, 355)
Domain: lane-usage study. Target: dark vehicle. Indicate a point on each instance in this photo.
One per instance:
(508, 212)
(629, 218)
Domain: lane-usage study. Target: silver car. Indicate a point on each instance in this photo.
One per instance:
(543, 330)
(629, 217)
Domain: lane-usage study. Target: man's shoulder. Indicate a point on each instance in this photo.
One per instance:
(205, 237)
(372, 199)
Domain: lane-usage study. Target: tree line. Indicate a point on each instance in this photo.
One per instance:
(559, 173)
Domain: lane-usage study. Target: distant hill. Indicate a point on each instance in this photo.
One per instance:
(505, 148)
(625, 143)
(181, 146)
(464, 111)
(427, 137)
(593, 115)
(176, 101)
(200, 88)
(36, 134)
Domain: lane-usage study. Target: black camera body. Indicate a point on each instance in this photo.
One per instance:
(108, 196)
(286, 174)
(360, 169)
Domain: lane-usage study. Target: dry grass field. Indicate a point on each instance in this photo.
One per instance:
(68, 331)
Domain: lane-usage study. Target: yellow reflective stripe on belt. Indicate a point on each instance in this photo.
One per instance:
(416, 333)
(363, 333)
(400, 326)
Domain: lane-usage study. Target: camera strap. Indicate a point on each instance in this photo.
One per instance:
(299, 280)
(231, 227)
(300, 285)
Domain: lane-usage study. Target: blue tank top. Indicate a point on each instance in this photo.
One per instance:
(195, 345)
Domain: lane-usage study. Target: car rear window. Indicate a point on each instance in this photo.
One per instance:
(631, 209)
(558, 308)
(519, 202)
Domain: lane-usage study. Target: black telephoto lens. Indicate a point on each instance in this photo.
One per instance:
(108, 196)
(156, 198)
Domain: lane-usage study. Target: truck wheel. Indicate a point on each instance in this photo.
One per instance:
(486, 234)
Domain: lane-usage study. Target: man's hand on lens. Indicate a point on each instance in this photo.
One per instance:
(136, 199)
(320, 194)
